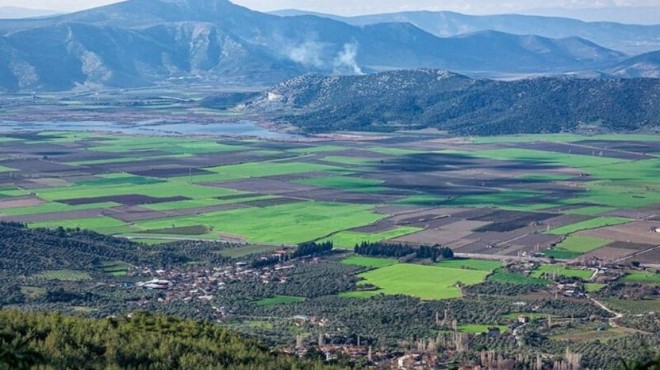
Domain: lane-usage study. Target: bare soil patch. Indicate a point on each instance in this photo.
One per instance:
(137, 213)
(207, 209)
(474, 246)
(633, 232)
(564, 220)
(36, 166)
(608, 253)
(431, 237)
(515, 250)
(398, 209)
(20, 202)
(56, 216)
(630, 146)
(433, 222)
(186, 230)
(651, 256)
(637, 247)
(30, 184)
(265, 186)
(379, 227)
(441, 186)
(271, 202)
(496, 237)
(450, 234)
(544, 241)
(511, 220)
(129, 199)
(171, 172)
(84, 156)
(638, 213)
(581, 149)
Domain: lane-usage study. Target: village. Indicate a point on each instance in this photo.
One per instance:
(203, 285)
(194, 283)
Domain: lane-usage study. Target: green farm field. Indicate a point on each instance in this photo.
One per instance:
(647, 277)
(470, 264)
(425, 282)
(587, 225)
(101, 224)
(479, 329)
(290, 224)
(288, 192)
(369, 261)
(594, 287)
(361, 294)
(575, 245)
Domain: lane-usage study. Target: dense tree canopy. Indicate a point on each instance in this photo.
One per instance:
(142, 341)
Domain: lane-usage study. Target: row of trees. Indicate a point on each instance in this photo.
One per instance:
(401, 250)
(312, 249)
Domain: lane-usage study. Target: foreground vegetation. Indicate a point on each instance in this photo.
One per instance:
(141, 341)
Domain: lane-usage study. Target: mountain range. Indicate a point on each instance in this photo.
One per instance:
(12, 12)
(147, 42)
(460, 105)
(645, 65)
(629, 38)
(619, 14)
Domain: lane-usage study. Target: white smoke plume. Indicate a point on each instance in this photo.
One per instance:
(318, 55)
(309, 54)
(345, 62)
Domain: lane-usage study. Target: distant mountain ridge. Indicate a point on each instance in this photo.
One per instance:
(629, 38)
(461, 105)
(645, 65)
(12, 12)
(648, 15)
(146, 42)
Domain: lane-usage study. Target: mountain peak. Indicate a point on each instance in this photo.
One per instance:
(200, 4)
(139, 13)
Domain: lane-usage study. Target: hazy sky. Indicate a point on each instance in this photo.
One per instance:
(349, 7)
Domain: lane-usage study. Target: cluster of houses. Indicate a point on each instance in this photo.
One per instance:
(602, 272)
(203, 283)
(381, 359)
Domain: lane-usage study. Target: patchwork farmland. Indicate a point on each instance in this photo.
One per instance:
(564, 196)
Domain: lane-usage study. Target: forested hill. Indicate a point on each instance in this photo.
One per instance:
(54, 341)
(460, 105)
(26, 252)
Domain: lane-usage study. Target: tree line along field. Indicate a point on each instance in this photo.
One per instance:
(569, 196)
